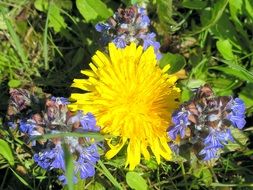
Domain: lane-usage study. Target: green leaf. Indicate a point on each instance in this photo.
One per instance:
(230, 71)
(42, 5)
(45, 44)
(249, 8)
(176, 62)
(96, 186)
(16, 41)
(224, 86)
(93, 10)
(151, 164)
(6, 152)
(240, 140)
(109, 176)
(117, 162)
(246, 95)
(135, 181)
(164, 11)
(56, 20)
(22, 180)
(206, 176)
(216, 12)
(69, 164)
(236, 70)
(14, 83)
(2, 23)
(220, 30)
(225, 48)
(195, 83)
(194, 4)
(54, 17)
(235, 8)
(186, 94)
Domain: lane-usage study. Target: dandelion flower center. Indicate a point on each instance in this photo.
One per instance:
(132, 99)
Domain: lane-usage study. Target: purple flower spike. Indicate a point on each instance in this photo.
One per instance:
(208, 119)
(129, 25)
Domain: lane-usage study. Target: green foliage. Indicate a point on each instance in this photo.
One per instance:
(14, 83)
(176, 62)
(93, 10)
(194, 4)
(46, 43)
(216, 13)
(6, 152)
(135, 181)
(225, 48)
(69, 167)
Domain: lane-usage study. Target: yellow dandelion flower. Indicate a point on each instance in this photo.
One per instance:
(132, 99)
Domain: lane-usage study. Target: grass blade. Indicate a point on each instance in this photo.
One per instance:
(16, 41)
(107, 173)
(45, 45)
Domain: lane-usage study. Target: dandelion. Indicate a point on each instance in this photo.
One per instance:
(132, 99)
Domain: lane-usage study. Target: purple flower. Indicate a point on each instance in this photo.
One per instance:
(102, 27)
(174, 147)
(88, 123)
(60, 100)
(209, 153)
(87, 159)
(237, 114)
(50, 159)
(180, 120)
(149, 40)
(90, 154)
(63, 179)
(11, 124)
(86, 169)
(120, 41)
(237, 121)
(27, 126)
(215, 141)
(145, 21)
(58, 157)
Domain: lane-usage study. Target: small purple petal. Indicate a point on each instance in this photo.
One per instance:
(120, 41)
(101, 27)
